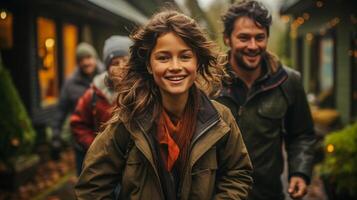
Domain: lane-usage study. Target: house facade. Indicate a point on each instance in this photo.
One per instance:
(323, 47)
(38, 40)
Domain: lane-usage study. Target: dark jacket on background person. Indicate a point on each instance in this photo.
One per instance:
(273, 112)
(92, 110)
(218, 167)
(73, 88)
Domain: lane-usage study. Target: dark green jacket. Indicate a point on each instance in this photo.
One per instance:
(274, 112)
(218, 167)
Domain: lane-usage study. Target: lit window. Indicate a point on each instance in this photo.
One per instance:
(47, 73)
(70, 40)
(326, 73)
(6, 29)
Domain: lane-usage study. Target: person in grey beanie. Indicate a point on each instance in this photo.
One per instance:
(94, 107)
(88, 66)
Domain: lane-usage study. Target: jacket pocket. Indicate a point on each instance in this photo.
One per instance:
(204, 176)
(133, 173)
(273, 106)
(271, 110)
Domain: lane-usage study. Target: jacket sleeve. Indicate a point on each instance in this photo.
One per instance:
(300, 136)
(62, 110)
(103, 165)
(82, 120)
(234, 172)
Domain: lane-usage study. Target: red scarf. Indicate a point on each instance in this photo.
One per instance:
(166, 132)
(174, 138)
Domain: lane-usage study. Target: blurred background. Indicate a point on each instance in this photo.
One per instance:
(38, 40)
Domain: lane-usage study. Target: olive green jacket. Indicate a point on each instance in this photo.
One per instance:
(218, 167)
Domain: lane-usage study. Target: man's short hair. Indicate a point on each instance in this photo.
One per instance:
(252, 9)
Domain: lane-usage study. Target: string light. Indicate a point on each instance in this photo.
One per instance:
(306, 16)
(15, 142)
(335, 21)
(309, 37)
(300, 20)
(319, 4)
(285, 18)
(330, 148)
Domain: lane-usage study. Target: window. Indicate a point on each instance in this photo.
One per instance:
(70, 40)
(47, 71)
(326, 72)
(6, 40)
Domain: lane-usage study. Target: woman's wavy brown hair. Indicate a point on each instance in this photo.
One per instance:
(137, 91)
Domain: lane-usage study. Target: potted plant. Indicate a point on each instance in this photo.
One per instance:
(339, 168)
(16, 136)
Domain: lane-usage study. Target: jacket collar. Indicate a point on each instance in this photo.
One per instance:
(274, 76)
(207, 114)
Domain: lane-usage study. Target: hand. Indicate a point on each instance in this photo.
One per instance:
(297, 187)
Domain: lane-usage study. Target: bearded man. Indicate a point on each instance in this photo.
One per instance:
(269, 104)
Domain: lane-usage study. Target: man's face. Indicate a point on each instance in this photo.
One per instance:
(248, 43)
(88, 65)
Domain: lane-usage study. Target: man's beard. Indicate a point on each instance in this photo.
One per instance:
(238, 56)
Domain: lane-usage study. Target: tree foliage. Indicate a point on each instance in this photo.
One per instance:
(16, 134)
(340, 164)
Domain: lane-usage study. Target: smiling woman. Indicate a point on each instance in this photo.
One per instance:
(166, 139)
(173, 65)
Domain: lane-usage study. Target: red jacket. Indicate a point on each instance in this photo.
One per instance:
(91, 113)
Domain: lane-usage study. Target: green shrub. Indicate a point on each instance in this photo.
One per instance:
(340, 163)
(16, 133)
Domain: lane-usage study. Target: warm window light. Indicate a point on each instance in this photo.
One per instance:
(49, 43)
(3, 15)
(330, 148)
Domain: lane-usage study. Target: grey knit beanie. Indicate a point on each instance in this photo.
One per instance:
(84, 49)
(115, 46)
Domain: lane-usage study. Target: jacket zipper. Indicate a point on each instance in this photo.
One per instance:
(191, 146)
(155, 160)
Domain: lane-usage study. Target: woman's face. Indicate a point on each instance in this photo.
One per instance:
(173, 65)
